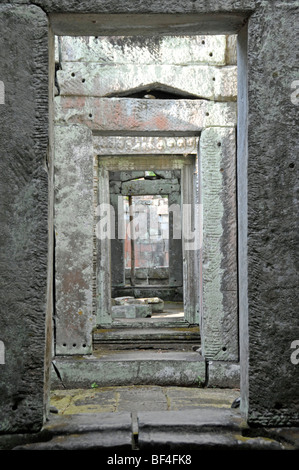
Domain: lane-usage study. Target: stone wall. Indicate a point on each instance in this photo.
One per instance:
(24, 218)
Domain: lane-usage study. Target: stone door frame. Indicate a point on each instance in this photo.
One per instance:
(216, 303)
(186, 164)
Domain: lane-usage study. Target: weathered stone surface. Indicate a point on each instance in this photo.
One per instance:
(223, 374)
(86, 432)
(130, 145)
(272, 390)
(181, 19)
(144, 50)
(156, 304)
(188, 420)
(219, 245)
(122, 300)
(74, 225)
(212, 83)
(105, 6)
(131, 368)
(149, 187)
(135, 115)
(24, 213)
(208, 440)
(130, 310)
(231, 50)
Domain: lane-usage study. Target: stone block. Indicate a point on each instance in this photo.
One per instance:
(155, 303)
(223, 375)
(128, 145)
(149, 187)
(91, 79)
(141, 273)
(148, 19)
(132, 50)
(137, 115)
(231, 50)
(158, 273)
(131, 311)
(131, 368)
(86, 431)
(122, 300)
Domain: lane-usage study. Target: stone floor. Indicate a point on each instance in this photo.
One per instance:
(150, 420)
(139, 398)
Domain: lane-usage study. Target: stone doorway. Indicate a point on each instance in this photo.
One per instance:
(98, 134)
(128, 177)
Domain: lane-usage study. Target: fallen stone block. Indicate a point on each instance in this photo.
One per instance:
(131, 311)
(122, 300)
(156, 304)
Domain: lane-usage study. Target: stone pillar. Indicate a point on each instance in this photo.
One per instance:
(219, 245)
(74, 239)
(24, 217)
(270, 388)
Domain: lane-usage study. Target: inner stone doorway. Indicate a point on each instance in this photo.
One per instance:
(143, 208)
(146, 264)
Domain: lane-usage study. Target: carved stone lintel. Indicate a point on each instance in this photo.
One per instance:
(118, 145)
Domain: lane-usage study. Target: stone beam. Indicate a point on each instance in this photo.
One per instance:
(131, 145)
(146, 7)
(95, 24)
(202, 81)
(139, 115)
(171, 50)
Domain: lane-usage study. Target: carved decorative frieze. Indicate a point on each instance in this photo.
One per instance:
(118, 145)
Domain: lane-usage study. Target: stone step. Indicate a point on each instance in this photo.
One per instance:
(152, 432)
(158, 338)
(118, 368)
(150, 335)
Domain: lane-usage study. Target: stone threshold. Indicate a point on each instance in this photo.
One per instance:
(134, 367)
(175, 338)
